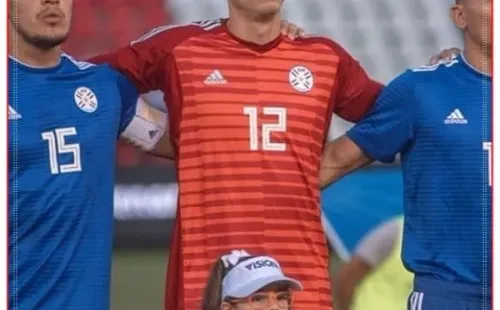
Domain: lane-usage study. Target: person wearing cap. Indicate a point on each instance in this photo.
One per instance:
(240, 281)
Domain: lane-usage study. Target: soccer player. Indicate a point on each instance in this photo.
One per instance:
(249, 111)
(439, 118)
(64, 120)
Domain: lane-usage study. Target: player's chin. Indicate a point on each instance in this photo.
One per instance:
(268, 7)
(49, 40)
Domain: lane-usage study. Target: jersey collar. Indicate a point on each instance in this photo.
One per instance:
(260, 48)
(472, 69)
(27, 67)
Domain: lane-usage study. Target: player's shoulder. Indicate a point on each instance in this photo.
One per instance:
(74, 65)
(441, 67)
(173, 35)
(89, 67)
(321, 42)
(424, 74)
(79, 70)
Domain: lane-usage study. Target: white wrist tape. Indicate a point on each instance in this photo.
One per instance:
(147, 127)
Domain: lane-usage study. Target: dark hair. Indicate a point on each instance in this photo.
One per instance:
(212, 298)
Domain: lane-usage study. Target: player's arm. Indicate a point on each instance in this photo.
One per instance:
(355, 92)
(142, 62)
(370, 253)
(385, 131)
(147, 129)
(146, 61)
(141, 124)
(340, 157)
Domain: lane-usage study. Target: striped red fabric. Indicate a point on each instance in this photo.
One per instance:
(249, 123)
(233, 196)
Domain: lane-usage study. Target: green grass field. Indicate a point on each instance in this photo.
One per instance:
(138, 279)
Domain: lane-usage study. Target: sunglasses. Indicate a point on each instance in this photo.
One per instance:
(264, 300)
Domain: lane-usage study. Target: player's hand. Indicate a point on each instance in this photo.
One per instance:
(291, 30)
(445, 55)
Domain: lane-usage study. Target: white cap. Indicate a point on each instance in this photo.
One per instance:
(249, 276)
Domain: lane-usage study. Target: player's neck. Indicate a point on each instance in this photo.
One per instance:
(253, 30)
(32, 55)
(478, 57)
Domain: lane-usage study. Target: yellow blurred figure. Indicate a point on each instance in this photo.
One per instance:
(375, 277)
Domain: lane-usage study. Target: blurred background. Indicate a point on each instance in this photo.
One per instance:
(386, 36)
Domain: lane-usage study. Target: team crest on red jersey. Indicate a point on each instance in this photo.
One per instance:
(301, 79)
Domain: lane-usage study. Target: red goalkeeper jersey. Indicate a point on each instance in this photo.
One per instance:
(248, 123)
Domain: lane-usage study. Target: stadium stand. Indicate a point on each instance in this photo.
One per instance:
(103, 25)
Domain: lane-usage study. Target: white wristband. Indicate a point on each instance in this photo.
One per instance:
(146, 127)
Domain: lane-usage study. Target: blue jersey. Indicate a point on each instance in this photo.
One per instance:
(439, 119)
(63, 128)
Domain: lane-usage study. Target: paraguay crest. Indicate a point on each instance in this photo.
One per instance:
(85, 99)
(301, 79)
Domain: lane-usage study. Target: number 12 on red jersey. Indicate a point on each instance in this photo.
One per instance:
(280, 126)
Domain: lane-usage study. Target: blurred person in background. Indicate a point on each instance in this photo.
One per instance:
(65, 118)
(249, 112)
(439, 118)
(374, 277)
(111, 24)
(240, 281)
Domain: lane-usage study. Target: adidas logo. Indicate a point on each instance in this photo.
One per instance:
(13, 115)
(152, 133)
(456, 117)
(215, 77)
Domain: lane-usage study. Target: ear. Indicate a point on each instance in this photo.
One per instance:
(225, 306)
(458, 16)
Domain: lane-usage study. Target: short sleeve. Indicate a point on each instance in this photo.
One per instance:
(356, 91)
(129, 97)
(389, 126)
(144, 61)
(378, 244)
